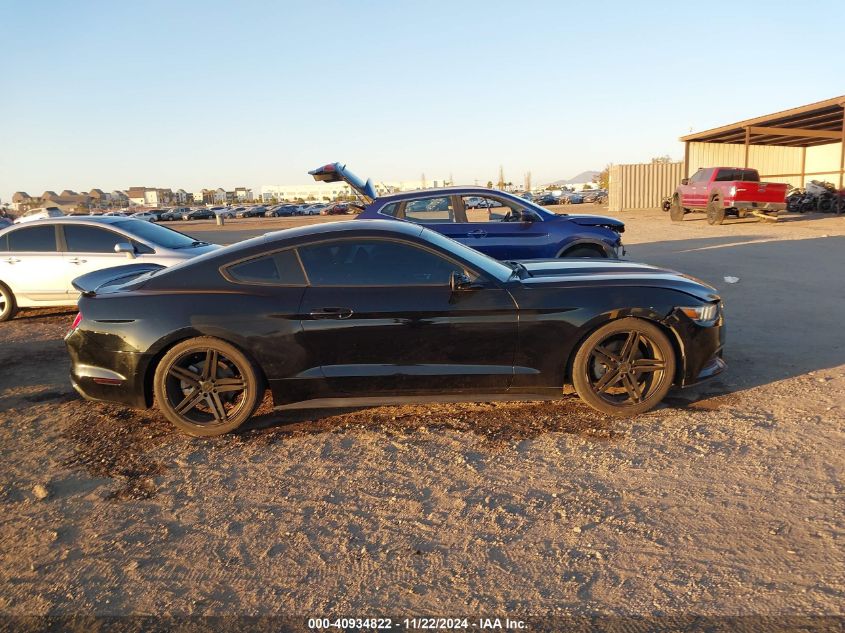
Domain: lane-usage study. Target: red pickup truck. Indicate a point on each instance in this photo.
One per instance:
(721, 191)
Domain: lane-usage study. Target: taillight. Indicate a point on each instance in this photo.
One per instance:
(76, 321)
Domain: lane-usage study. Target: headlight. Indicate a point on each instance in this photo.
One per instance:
(705, 315)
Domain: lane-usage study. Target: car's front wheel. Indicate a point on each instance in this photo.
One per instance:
(626, 367)
(585, 251)
(8, 307)
(206, 386)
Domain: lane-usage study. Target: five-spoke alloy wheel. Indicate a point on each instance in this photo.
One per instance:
(206, 386)
(624, 368)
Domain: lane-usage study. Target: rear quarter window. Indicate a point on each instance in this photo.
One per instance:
(390, 209)
(278, 269)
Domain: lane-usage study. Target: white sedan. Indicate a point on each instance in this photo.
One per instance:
(40, 259)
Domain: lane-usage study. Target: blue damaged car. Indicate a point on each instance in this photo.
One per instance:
(494, 222)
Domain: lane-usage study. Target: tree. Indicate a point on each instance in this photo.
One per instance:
(586, 187)
(602, 179)
(661, 159)
(489, 184)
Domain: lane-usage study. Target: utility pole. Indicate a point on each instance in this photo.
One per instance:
(528, 181)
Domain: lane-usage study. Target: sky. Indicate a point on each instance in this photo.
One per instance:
(214, 94)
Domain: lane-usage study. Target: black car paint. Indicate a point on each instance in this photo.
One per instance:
(517, 335)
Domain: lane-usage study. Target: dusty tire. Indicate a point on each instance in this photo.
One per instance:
(626, 367)
(204, 402)
(584, 252)
(676, 211)
(715, 211)
(8, 307)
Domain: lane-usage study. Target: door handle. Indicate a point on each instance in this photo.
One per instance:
(477, 233)
(77, 260)
(331, 313)
(11, 260)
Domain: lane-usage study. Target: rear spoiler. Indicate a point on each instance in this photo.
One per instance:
(89, 284)
(335, 172)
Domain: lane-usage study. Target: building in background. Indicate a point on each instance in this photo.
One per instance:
(329, 191)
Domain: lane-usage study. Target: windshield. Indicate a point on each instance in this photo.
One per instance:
(492, 267)
(159, 235)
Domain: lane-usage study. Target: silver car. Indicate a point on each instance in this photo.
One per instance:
(40, 259)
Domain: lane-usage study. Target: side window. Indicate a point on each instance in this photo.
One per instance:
(430, 210)
(725, 175)
(488, 209)
(90, 239)
(374, 263)
(390, 209)
(4, 243)
(34, 239)
(281, 269)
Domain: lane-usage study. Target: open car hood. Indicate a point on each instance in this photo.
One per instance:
(335, 172)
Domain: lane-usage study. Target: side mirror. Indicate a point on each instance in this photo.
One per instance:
(685, 181)
(459, 280)
(125, 247)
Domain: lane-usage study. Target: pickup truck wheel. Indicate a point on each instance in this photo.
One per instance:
(676, 211)
(715, 211)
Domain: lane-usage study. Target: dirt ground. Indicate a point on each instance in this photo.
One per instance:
(727, 501)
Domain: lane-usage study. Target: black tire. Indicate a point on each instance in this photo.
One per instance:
(676, 211)
(715, 211)
(593, 252)
(626, 367)
(188, 394)
(8, 306)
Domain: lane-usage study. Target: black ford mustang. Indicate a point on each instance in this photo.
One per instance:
(383, 307)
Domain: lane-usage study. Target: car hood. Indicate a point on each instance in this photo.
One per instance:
(566, 272)
(597, 220)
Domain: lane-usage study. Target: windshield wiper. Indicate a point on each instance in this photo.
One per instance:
(197, 243)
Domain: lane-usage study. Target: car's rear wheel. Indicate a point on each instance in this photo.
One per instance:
(715, 211)
(8, 307)
(624, 368)
(206, 386)
(676, 211)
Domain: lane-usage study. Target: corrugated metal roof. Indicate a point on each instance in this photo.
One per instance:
(821, 123)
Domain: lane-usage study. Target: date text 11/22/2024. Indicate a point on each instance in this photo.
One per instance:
(421, 623)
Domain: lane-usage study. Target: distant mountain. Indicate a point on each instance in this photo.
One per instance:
(584, 176)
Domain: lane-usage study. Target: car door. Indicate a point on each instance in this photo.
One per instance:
(31, 265)
(500, 229)
(88, 248)
(698, 192)
(381, 316)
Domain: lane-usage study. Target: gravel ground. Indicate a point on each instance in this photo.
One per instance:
(727, 501)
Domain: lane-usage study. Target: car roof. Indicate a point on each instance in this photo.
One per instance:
(84, 219)
(448, 191)
(392, 227)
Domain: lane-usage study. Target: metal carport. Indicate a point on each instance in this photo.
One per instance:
(810, 126)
